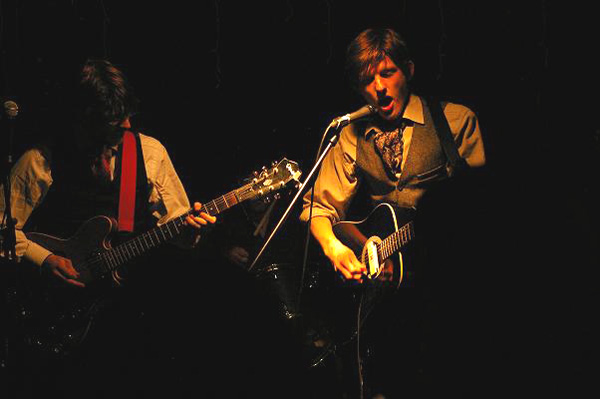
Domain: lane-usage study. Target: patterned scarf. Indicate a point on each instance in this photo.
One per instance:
(389, 145)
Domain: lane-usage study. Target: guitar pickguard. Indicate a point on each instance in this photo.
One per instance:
(370, 257)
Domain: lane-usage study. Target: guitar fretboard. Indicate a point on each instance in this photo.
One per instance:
(152, 238)
(395, 241)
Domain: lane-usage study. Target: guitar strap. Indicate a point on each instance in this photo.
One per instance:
(442, 129)
(128, 183)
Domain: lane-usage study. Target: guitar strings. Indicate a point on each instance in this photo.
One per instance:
(395, 241)
(115, 257)
(111, 259)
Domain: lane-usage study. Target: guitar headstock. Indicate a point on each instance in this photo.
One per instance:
(270, 180)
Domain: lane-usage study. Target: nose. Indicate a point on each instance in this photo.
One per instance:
(379, 87)
(126, 123)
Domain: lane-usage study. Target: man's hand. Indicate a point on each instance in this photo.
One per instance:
(201, 220)
(344, 260)
(63, 269)
(342, 257)
(237, 255)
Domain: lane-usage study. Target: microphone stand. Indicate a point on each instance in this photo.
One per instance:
(8, 238)
(8, 243)
(336, 124)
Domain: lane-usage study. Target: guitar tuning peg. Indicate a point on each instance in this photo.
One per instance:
(277, 196)
(273, 163)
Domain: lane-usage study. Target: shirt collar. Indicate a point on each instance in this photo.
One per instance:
(412, 113)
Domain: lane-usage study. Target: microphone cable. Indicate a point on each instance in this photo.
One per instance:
(304, 266)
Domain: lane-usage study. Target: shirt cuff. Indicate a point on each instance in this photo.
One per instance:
(316, 212)
(36, 254)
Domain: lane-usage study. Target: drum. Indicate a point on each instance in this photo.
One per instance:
(314, 313)
(284, 280)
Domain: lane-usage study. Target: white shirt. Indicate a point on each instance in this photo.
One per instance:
(31, 178)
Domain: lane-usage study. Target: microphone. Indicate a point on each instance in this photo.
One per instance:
(11, 108)
(349, 118)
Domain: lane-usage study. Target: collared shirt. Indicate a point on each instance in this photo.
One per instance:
(31, 178)
(338, 178)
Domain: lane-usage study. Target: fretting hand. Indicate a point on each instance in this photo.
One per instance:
(202, 219)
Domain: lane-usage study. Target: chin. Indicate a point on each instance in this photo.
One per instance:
(389, 117)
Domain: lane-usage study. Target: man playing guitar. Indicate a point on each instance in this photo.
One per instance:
(84, 162)
(397, 154)
(95, 164)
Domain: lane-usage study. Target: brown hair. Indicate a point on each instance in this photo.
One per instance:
(105, 94)
(371, 47)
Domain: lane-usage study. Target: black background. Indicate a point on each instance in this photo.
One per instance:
(231, 86)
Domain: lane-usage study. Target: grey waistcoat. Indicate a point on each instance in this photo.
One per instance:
(425, 164)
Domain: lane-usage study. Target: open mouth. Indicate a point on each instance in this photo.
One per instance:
(385, 103)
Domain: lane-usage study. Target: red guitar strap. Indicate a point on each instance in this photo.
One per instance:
(128, 183)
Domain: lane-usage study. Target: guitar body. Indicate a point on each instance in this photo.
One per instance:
(56, 318)
(84, 247)
(360, 236)
(380, 242)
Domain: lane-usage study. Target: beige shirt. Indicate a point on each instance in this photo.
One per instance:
(337, 181)
(31, 177)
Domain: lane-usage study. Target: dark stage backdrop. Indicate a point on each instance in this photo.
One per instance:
(230, 86)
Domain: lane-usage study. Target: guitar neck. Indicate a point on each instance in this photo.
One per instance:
(158, 235)
(395, 241)
(226, 201)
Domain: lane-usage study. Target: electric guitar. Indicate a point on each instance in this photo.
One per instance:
(60, 322)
